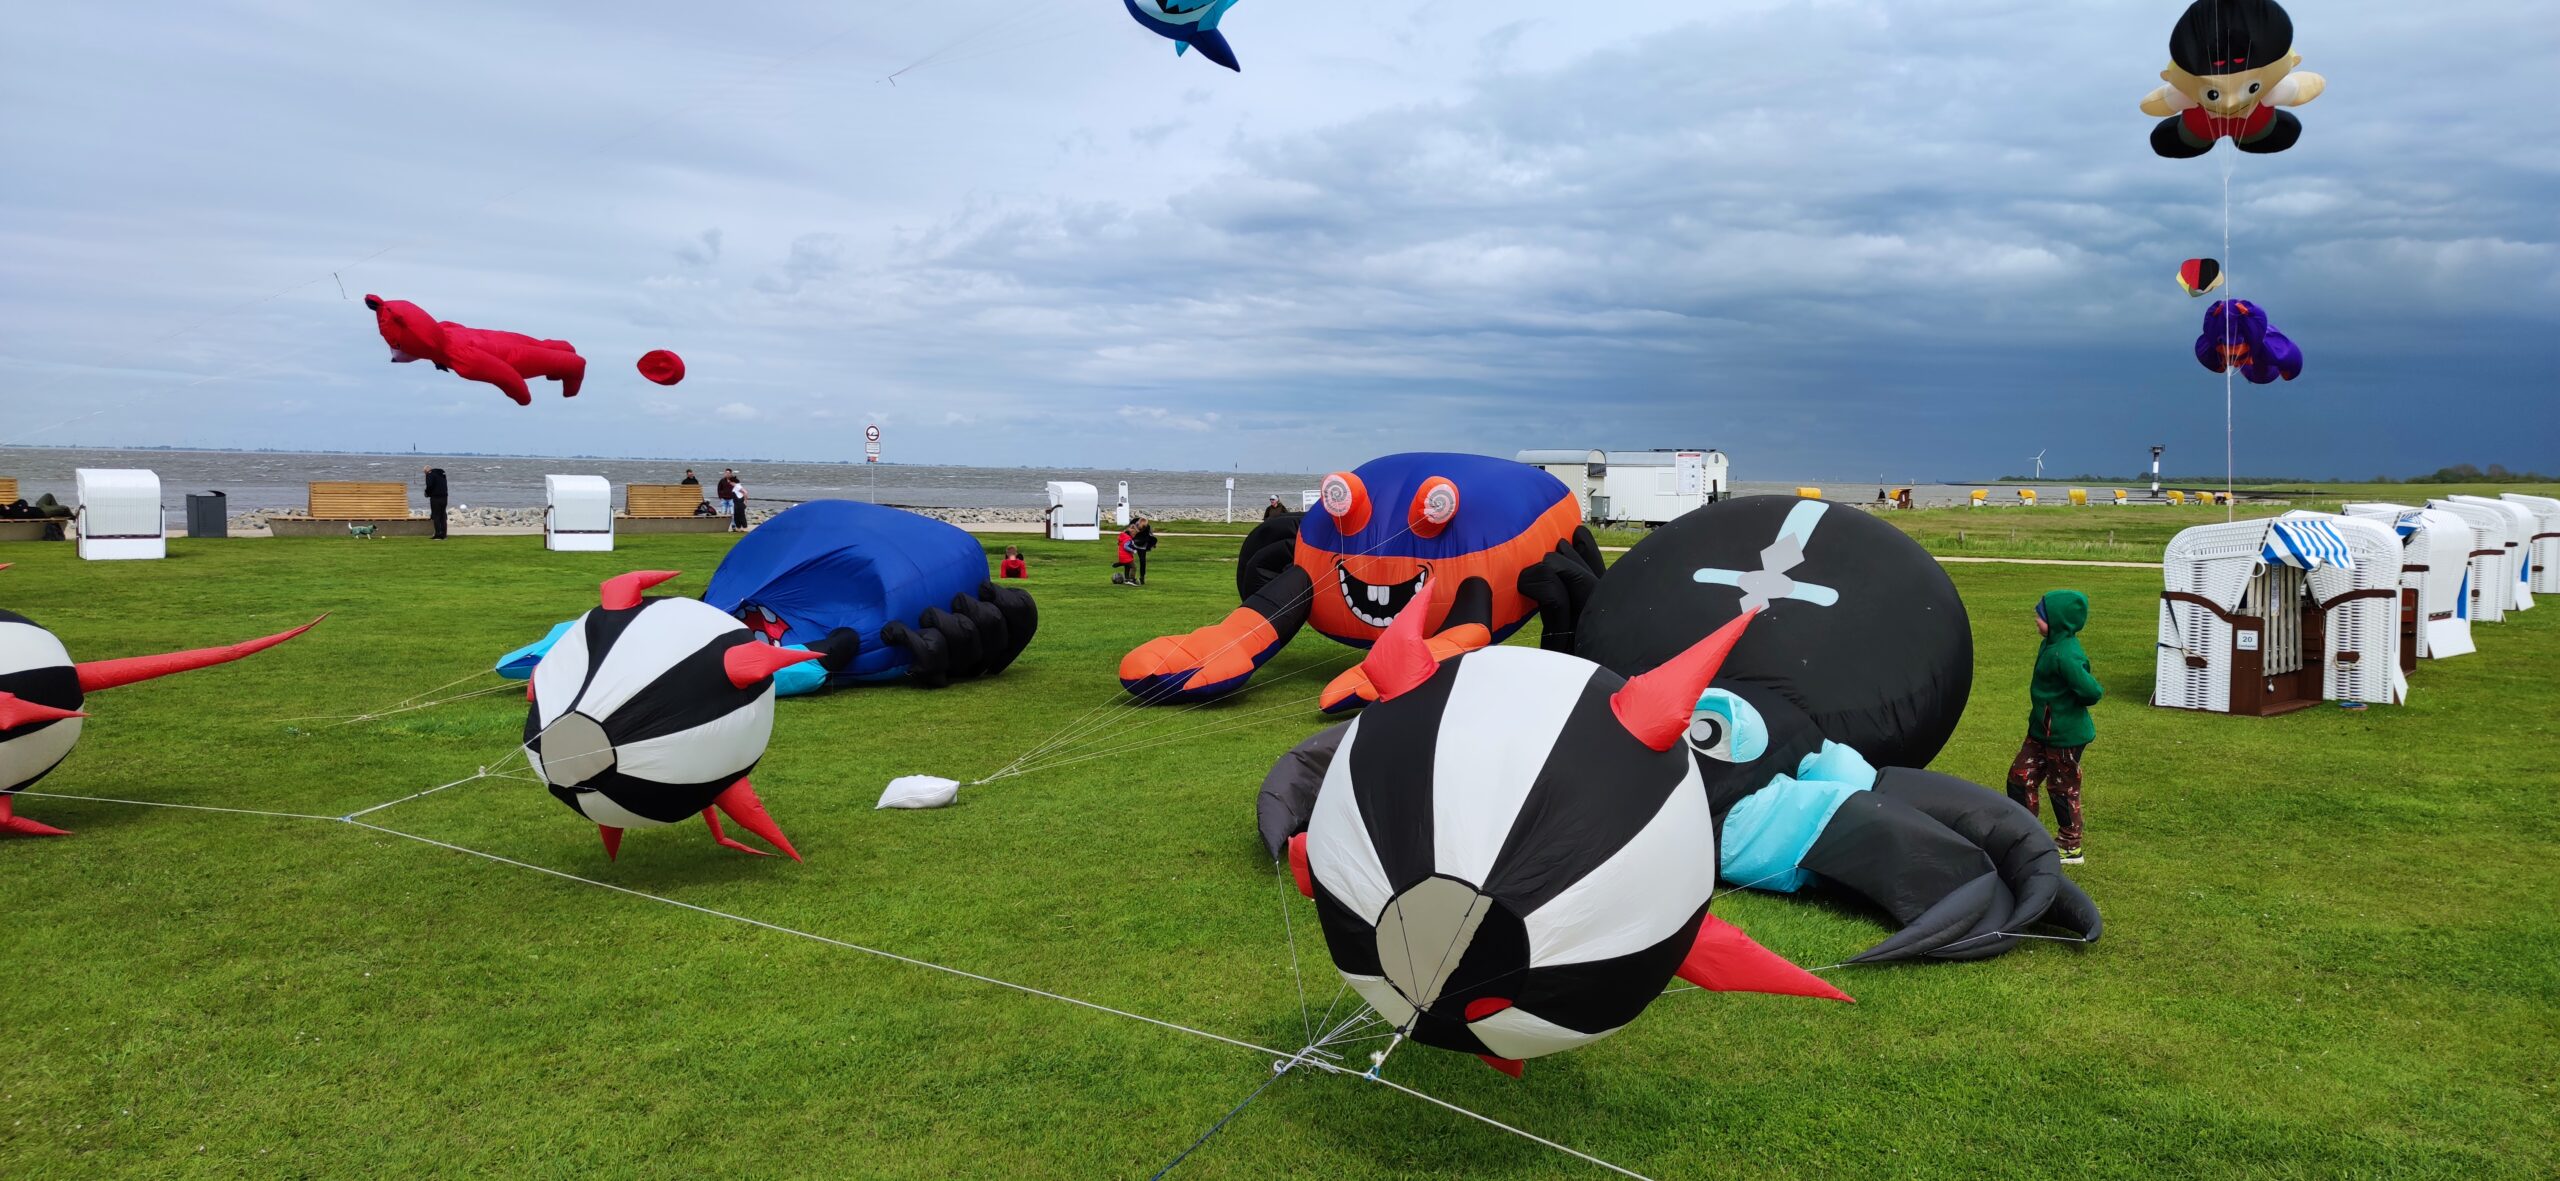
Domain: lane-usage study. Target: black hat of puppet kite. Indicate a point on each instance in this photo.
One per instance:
(1862, 629)
(1512, 853)
(2230, 36)
(42, 693)
(651, 710)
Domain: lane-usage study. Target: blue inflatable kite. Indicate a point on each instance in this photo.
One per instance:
(902, 594)
(1188, 24)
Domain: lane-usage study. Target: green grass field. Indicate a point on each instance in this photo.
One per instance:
(2331, 942)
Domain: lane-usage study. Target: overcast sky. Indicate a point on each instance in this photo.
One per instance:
(1833, 239)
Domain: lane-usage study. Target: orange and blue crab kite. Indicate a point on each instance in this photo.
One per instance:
(1189, 24)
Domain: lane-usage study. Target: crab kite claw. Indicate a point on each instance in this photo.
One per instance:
(1467, 628)
(1216, 660)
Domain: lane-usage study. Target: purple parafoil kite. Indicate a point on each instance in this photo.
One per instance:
(2236, 335)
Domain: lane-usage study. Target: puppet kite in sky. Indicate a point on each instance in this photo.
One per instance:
(42, 691)
(2231, 64)
(503, 359)
(1189, 24)
(2236, 335)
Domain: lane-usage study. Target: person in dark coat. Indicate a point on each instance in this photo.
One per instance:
(1273, 509)
(436, 492)
(1141, 544)
(737, 505)
(690, 478)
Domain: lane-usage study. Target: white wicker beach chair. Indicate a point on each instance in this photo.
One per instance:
(2546, 539)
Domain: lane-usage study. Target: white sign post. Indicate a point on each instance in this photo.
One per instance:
(871, 456)
(1121, 513)
(1231, 500)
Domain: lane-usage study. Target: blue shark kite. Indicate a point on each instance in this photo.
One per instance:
(1188, 24)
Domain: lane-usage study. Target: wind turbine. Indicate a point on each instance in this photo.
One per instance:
(2040, 463)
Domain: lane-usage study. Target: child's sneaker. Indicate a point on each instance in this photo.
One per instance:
(2071, 856)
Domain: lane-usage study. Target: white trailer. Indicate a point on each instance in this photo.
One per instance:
(1636, 487)
(1582, 469)
(1657, 487)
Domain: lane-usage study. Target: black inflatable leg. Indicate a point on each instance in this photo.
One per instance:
(2013, 837)
(2282, 133)
(1933, 880)
(993, 636)
(837, 651)
(1561, 584)
(959, 640)
(928, 664)
(2169, 138)
(1021, 622)
(1254, 566)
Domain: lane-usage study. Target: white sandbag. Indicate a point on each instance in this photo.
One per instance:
(920, 791)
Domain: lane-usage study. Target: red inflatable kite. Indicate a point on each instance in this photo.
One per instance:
(503, 359)
(661, 366)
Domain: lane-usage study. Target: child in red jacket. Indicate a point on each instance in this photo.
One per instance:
(1124, 567)
(1013, 566)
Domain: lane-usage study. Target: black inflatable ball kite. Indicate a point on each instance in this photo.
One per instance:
(1861, 658)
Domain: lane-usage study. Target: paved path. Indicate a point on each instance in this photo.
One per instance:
(1620, 549)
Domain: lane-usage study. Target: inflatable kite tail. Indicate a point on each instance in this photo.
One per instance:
(612, 838)
(107, 674)
(741, 804)
(1218, 659)
(12, 824)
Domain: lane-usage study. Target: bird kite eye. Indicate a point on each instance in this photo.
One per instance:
(1346, 500)
(1727, 729)
(1433, 507)
(1707, 736)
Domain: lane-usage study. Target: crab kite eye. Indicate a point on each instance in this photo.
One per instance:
(1433, 507)
(1346, 500)
(1727, 729)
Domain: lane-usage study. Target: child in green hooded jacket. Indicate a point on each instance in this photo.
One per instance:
(2058, 725)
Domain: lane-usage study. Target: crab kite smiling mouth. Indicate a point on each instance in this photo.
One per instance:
(1376, 603)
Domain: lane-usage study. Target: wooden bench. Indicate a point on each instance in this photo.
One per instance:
(667, 508)
(336, 504)
(17, 530)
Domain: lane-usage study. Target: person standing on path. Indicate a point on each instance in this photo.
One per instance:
(726, 489)
(436, 493)
(1273, 509)
(2058, 725)
(737, 505)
